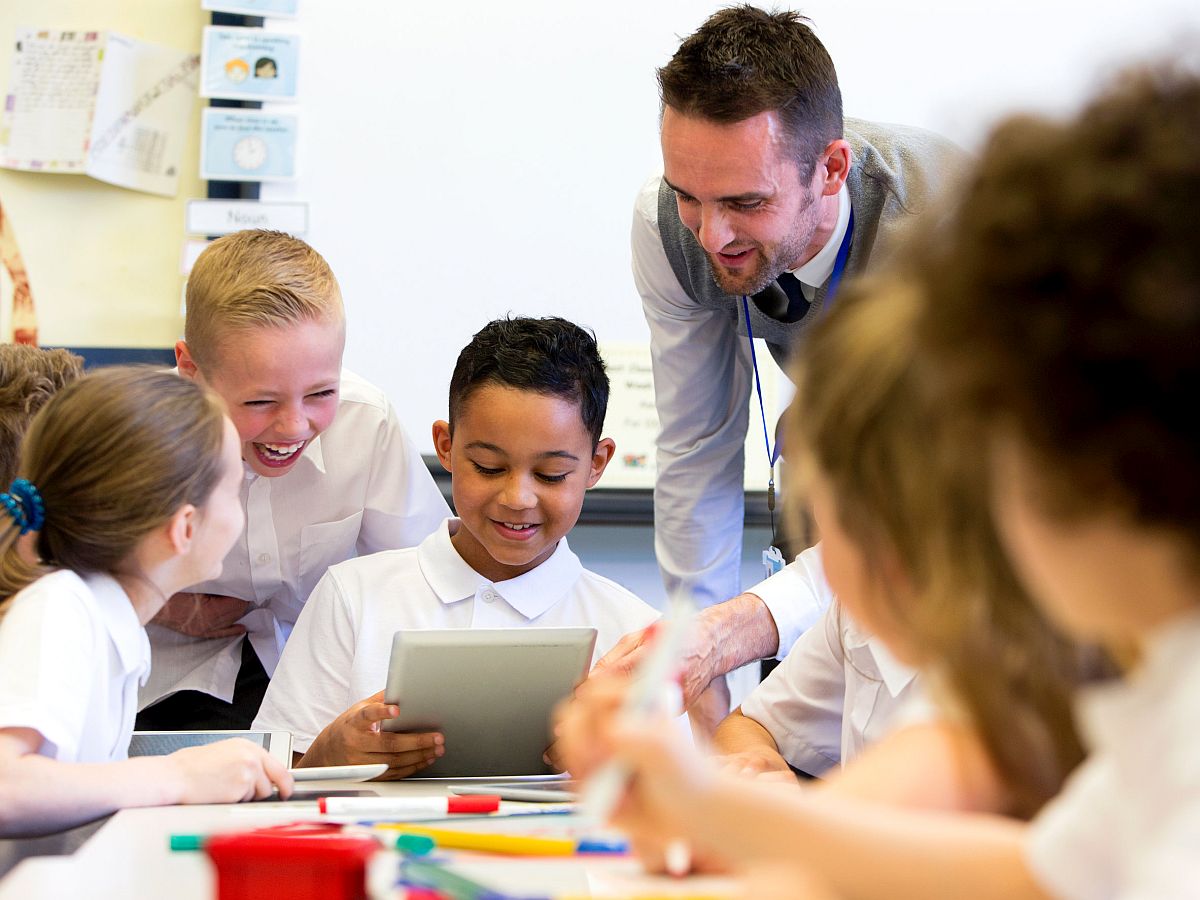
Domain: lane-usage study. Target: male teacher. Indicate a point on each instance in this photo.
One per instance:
(766, 201)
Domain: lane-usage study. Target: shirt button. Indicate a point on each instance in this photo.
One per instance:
(489, 596)
(264, 558)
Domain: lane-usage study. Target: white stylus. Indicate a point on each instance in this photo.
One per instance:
(653, 683)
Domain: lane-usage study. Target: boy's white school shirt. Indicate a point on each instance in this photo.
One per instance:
(359, 487)
(838, 691)
(1127, 823)
(72, 653)
(339, 651)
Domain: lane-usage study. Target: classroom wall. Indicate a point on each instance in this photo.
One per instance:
(103, 261)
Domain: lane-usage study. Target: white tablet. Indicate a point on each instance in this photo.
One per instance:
(339, 773)
(559, 791)
(490, 691)
(160, 743)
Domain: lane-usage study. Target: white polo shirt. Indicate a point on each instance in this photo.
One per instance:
(339, 651)
(72, 653)
(361, 486)
(1127, 823)
(837, 692)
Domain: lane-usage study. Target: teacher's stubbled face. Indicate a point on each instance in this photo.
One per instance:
(741, 193)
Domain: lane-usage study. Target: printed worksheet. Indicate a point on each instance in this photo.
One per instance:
(101, 104)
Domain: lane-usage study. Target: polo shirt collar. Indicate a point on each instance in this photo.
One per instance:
(1128, 712)
(530, 594)
(314, 455)
(121, 622)
(896, 676)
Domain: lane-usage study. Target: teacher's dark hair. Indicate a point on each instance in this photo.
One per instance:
(744, 61)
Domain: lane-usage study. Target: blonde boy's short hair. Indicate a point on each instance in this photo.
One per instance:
(255, 279)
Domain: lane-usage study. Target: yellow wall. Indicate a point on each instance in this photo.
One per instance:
(103, 261)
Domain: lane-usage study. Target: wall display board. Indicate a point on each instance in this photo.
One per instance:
(464, 161)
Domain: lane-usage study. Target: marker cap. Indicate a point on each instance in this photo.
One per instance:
(472, 803)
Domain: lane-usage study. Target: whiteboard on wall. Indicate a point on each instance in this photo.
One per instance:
(468, 160)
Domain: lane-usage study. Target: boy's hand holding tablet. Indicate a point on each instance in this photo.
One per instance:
(356, 738)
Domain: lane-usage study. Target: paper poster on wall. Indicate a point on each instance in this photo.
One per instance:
(249, 64)
(632, 419)
(282, 8)
(247, 145)
(100, 104)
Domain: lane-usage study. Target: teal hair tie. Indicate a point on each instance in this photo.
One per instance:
(24, 503)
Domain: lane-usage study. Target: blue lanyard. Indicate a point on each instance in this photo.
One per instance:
(835, 278)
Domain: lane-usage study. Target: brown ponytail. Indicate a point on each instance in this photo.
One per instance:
(113, 455)
(907, 486)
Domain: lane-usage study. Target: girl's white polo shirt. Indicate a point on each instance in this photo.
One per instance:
(837, 691)
(1127, 823)
(72, 653)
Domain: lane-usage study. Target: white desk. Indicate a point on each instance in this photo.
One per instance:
(129, 858)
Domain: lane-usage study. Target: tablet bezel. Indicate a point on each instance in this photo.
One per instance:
(459, 681)
(277, 743)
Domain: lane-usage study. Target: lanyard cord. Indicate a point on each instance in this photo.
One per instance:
(835, 278)
(772, 456)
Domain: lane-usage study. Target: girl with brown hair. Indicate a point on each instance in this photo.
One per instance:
(129, 484)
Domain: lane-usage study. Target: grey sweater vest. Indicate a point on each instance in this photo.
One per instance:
(895, 173)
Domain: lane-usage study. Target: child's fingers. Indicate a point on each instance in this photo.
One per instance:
(278, 775)
(422, 744)
(401, 765)
(625, 655)
(371, 711)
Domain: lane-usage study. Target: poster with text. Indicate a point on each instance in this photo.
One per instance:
(249, 64)
(247, 145)
(99, 104)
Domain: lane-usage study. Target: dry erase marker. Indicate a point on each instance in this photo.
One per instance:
(402, 807)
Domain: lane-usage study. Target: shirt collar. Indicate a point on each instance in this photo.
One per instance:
(530, 594)
(314, 454)
(817, 270)
(896, 676)
(121, 621)
(1122, 711)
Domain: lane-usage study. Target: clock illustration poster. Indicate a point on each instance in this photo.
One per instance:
(247, 145)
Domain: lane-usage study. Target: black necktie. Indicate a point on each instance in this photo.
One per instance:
(797, 304)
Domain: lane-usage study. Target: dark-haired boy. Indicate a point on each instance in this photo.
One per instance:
(523, 442)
